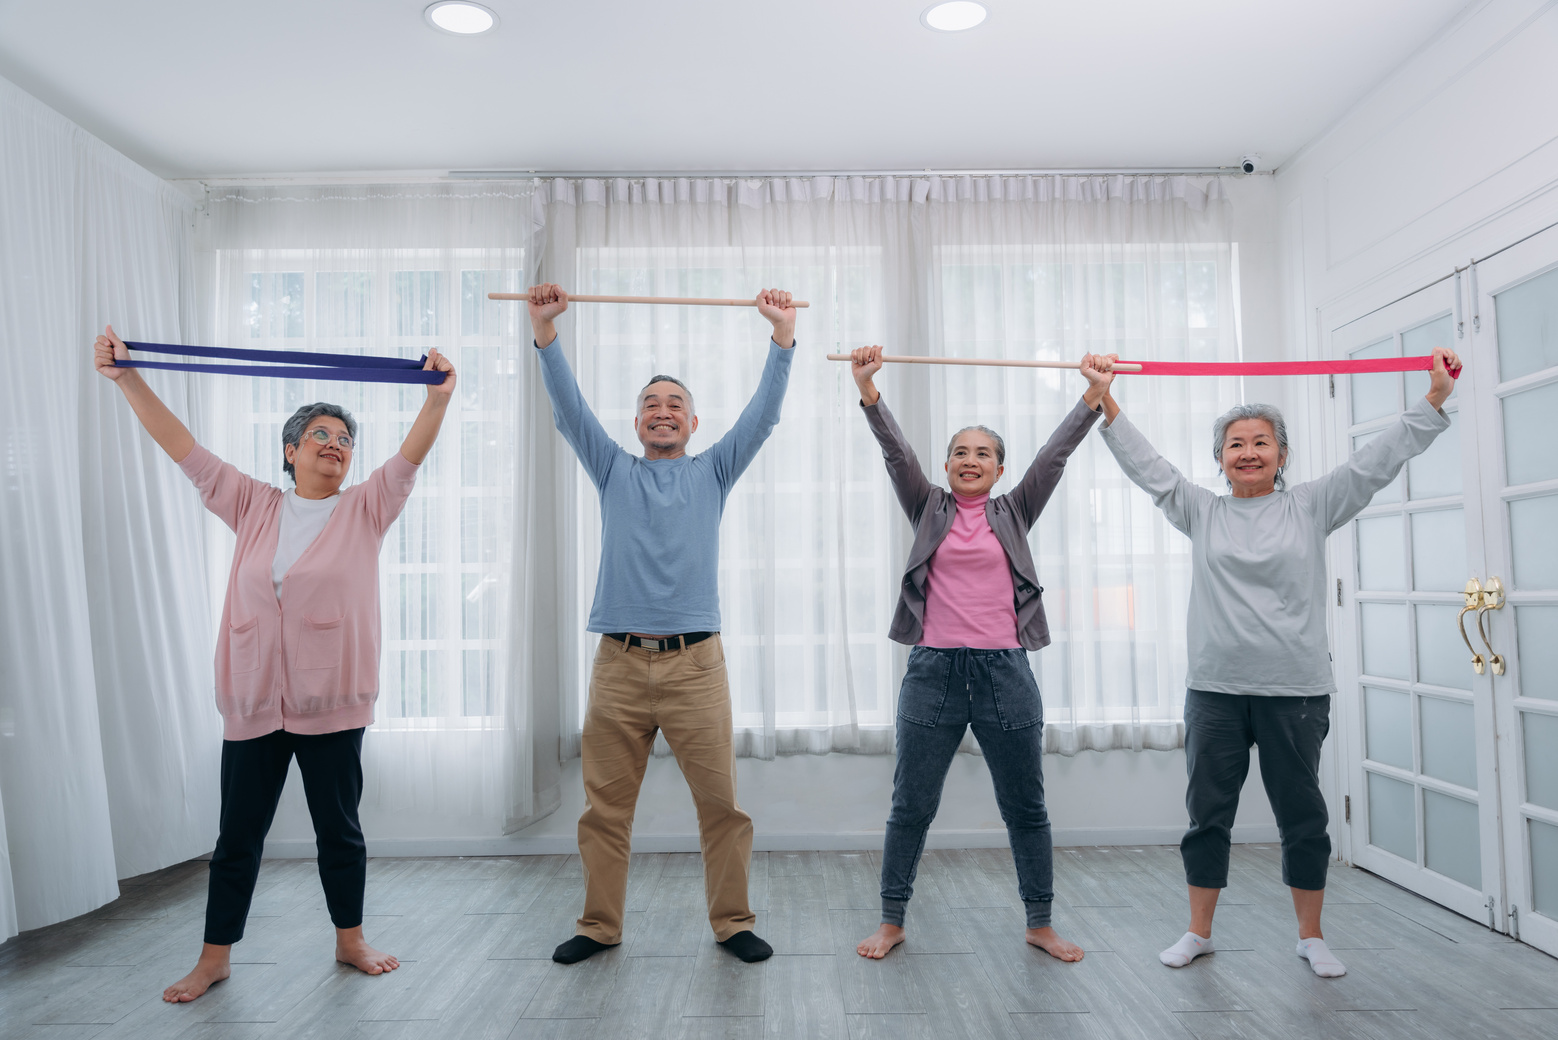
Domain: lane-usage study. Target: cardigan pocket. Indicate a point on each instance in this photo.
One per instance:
(243, 646)
(321, 643)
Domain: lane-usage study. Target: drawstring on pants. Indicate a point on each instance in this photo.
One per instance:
(963, 664)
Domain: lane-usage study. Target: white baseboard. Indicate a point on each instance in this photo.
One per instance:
(838, 841)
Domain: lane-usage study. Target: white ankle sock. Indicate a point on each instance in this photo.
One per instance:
(1185, 951)
(1321, 959)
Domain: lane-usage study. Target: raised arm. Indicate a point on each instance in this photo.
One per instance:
(424, 431)
(903, 467)
(1049, 465)
(1342, 493)
(224, 490)
(734, 452)
(1171, 491)
(165, 427)
(578, 425)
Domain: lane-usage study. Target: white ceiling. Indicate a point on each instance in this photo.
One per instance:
(197, 87)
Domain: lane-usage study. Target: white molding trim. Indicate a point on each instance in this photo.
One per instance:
(840, 841)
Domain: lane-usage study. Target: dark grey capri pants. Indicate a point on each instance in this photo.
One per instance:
(1219, 729)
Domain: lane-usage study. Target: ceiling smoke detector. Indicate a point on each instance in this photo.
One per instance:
(460, 18)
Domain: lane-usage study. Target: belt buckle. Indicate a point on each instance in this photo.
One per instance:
(655, 649)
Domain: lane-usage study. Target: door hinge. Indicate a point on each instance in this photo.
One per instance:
(1338, 592)
(1332, 381)
(1347, 808)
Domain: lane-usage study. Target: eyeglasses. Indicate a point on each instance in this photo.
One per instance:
(322, 436)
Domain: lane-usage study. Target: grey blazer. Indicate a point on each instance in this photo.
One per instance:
(931, 510)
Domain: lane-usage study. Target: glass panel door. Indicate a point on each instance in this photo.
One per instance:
(1416, 718)
(1514, 326)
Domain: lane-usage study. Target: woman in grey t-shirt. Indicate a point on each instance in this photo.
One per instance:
(1259, 662)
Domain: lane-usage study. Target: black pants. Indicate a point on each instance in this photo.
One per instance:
(1219, 729)
(253, 774)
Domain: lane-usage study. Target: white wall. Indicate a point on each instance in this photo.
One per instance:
(1453, 156)
(1261, 336)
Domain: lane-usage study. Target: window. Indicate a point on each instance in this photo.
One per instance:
(443, 569)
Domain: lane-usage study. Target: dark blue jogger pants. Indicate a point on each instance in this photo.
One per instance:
(944, 693)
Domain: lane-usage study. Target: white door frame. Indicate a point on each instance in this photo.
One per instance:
(1520, 263)
(1433, 302)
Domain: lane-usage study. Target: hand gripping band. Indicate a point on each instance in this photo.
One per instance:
(346, 367)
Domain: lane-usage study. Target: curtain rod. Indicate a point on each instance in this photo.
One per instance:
(366, 177)
(1141, 171)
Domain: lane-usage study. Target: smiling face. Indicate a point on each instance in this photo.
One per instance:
(665, 422)
(972, 467)
(319, 465)
(1251, 457)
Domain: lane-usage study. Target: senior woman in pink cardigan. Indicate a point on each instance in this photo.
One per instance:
(297, 656)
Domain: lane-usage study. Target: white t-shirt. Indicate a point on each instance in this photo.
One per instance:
(301, 521)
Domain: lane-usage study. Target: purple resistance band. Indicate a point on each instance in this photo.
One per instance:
(348, 367)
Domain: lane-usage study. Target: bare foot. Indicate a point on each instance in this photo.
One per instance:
(1048, 940)
(880, 942)
(213, 967)
(351, 948)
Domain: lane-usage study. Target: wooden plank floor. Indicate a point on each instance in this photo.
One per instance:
(474, 937)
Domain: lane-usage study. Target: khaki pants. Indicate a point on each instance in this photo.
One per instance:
(686, 695)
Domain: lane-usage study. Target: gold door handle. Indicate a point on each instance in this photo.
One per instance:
(1473, 601)
(1492, 599)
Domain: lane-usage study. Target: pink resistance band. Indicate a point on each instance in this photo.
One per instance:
(1189, 368)
(1285, 368)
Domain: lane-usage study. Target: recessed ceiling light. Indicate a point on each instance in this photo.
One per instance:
(460, 17)
(953, 17)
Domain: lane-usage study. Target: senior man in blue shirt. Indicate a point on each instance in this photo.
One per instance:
(660, 665)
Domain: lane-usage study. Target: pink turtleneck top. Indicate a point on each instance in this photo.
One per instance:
(969, 600)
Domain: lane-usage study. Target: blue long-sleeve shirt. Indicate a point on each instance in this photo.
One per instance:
(659, 561)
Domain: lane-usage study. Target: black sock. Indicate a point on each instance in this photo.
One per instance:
(576, 949)
(748, 947)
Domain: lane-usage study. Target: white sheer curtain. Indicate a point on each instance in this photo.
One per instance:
(108, 734)
(466, 571)
(812, 543)
(806, 578)
(1054, 268)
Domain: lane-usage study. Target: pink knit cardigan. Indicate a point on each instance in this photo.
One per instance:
(310, 662)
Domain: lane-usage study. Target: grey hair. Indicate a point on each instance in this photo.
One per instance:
(1000, 445)
(667, 379)
(1266, 413)
(294, 428)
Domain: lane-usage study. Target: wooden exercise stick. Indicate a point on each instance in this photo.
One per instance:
(1119, 366)
(690, 301)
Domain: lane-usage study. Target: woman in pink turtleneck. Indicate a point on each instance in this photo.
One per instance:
(970, 605)
(297, 656)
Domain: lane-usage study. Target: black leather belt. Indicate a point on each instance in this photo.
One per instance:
(686, 639)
